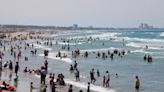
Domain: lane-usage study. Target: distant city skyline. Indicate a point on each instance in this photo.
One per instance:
(96, 13)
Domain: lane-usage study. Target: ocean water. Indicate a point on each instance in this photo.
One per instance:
(127, 67)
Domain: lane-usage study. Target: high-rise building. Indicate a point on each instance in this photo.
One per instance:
(145, 26)
(75, 26)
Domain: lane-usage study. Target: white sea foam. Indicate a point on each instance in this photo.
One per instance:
(140, 51)
(162, 34)
(102, 49)
(62, 43)
(146, 52)
(101, 36)
(92, 87)
(149, 33)
(63, 33)
(84, 86)
(143, 45)
(140, 39)
(41, 47)
(132, 44)
(53, 56)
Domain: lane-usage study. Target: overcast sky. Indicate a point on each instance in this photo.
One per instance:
(111, 13)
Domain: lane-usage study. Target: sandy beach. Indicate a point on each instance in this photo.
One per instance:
(24, 79)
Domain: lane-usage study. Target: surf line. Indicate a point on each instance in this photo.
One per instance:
(84, 85)
(52, 56)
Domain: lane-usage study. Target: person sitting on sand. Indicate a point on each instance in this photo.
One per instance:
(44, 89)
(5, 64)
(25, 70)
(5, 86)
(60, 80)
(30, 71)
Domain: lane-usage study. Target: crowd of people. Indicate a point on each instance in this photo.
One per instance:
(53, 79)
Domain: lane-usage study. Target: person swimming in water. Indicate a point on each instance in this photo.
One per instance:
(146, 47)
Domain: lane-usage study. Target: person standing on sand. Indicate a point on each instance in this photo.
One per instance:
(31, 86)
(11, 66)
(35, 51)
(137, 83)
(0, 64)
(0, 68)
(70, 89)
(16, 69)
(107, 79)
(53, 87)
(98, 73)
(104, 81)
(11, 69)
(43, 75)
(92, 77)
(15, 55)
(77, 75)
(46, 65)
(75, 65)
(88, 89)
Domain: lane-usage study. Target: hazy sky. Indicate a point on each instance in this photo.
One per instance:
(115, 13)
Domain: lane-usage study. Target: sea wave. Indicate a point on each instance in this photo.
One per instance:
(143, 45)
(92, 87)
(102, 49)
(42, 47)
(62, 43)
(101, 36)
(141, 51)
(139, 39)
(162, 34)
